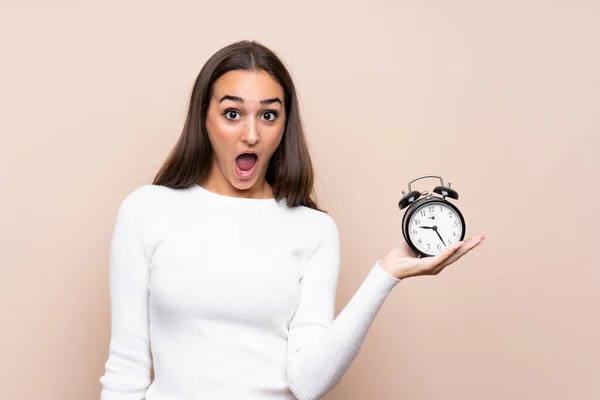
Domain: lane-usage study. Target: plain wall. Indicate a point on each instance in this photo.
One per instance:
(501, 98)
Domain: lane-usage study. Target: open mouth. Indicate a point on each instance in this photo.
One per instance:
(246, 165)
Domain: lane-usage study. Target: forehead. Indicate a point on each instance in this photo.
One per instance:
(249, 85)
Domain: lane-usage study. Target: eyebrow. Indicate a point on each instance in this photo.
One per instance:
(240, 100)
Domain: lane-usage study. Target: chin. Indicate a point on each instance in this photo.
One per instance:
(242, 184)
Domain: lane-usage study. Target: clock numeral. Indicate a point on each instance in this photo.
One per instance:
(422, 213)
(441, 209)
(450, 214)
(453, 233)
(455, 223)
(414, 231)
(431, 208)
(449, 241)
(428, 246)
(417, 221)
(439, 246)
(420, 241)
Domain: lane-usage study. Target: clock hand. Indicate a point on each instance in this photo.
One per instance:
(426, 227)
(440, 236)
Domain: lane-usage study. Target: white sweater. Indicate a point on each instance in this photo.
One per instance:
(229, 298)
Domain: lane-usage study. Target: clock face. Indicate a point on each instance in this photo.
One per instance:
(434, 226)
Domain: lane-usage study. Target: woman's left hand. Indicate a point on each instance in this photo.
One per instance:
(402, 262)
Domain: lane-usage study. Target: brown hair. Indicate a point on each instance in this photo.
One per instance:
(290, 171)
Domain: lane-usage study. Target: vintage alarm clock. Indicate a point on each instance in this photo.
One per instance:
(431, 223)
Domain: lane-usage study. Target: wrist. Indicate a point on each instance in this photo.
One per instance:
(395, 270)
(384, 265)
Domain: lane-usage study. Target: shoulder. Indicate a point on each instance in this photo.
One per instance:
(318, 224)
(146, 201)
(318, 234)
(142, 197)
(144, 213)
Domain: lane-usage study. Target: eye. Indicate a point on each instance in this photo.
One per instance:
(270, 116)
(231, 114)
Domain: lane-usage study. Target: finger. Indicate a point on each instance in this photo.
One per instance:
(432, 263)
(470, 244)
(467, 245)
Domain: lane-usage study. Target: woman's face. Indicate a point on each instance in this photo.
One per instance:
(246, 114)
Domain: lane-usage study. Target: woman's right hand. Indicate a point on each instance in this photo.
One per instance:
(402, 261)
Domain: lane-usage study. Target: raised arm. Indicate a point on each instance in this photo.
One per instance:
(321, 348)
(127, 370)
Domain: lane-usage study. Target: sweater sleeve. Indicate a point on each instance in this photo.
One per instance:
(321, 347)
(127, 370)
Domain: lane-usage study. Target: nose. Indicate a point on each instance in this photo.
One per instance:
(250, 133)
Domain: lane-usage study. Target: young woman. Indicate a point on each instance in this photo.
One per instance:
(223, 272)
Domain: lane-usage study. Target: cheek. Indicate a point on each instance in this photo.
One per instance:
(273, 136)
(275, 142)
(221, 135)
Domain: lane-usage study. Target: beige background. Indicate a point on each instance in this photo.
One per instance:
(499, 97)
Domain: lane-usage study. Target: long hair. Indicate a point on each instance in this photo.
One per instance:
(290, 170)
